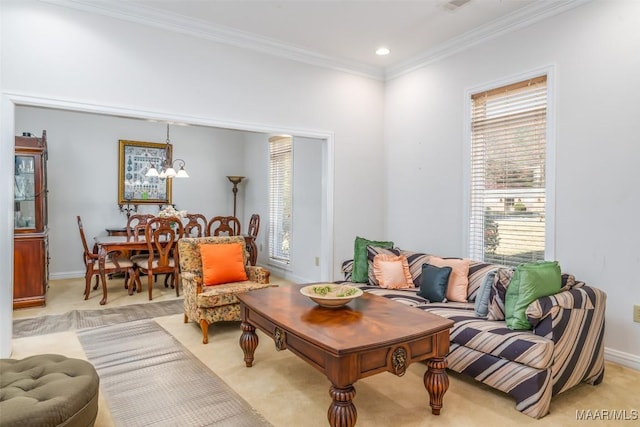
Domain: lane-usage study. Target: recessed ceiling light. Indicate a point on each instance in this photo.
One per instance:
(382, 51)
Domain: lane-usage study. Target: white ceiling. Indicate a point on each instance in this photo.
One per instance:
(340, 34)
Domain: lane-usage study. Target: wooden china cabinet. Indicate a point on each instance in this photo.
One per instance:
(30, 244)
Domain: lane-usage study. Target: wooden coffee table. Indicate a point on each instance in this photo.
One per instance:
(372, 334)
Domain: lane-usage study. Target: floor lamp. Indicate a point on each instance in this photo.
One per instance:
(235, 180)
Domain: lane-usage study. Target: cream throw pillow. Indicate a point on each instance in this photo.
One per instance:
(392, 271)
(459, 278)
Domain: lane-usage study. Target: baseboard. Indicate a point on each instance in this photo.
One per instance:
(275, 270)
(66, 275)
(286, 274)
(621, 358)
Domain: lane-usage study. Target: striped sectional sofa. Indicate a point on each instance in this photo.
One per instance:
(564, 348)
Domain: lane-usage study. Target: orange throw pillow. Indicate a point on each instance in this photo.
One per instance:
(459, 278)
(222, 263)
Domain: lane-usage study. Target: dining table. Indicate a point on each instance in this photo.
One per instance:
(108, 244)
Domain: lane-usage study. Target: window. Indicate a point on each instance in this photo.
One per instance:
(280, 198)
(508, 176)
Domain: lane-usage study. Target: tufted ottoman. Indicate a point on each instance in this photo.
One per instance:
(48, 390)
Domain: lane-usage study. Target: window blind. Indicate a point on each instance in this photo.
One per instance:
(280, 198)
(508, 188)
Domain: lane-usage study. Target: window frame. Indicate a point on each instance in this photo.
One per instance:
(550, 160)
(283, 262)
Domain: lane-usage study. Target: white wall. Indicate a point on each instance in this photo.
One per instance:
(595, 50)
(83, 174)
(107, 64)
(307, 208)
(305, 227)
(83, 180)
(86, 58)
(256, 188)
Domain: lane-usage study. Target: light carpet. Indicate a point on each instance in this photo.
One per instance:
(148, 378)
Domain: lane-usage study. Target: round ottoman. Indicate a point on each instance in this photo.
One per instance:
(48, 390)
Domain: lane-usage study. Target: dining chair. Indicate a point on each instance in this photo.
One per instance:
(196, 225)
(254, 227)
(161, 235)
(113, 264)
(135, 228)
(136, 225)
(223, 225)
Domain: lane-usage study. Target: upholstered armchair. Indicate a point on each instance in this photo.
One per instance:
(208, 304)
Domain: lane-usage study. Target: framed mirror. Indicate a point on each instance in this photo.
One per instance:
(135, 159)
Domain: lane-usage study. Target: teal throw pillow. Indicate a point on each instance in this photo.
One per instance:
(482, 298)
(360, 272)
(530, 281)
(433, 285)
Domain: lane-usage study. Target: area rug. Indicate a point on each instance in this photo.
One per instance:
(149, 378)
(81, 319)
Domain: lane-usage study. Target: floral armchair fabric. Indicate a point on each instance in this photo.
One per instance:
(209, 304)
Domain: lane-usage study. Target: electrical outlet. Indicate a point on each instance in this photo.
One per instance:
(317, 261)
(636, 313)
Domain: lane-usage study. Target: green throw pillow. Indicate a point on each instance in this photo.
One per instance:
(530, 281)
(360, 272)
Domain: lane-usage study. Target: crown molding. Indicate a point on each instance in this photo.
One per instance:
(521, 18)
(144, 15)
(197, 28)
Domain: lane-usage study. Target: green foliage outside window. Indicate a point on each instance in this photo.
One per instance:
(491, 236)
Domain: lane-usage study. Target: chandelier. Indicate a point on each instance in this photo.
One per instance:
(168, 170)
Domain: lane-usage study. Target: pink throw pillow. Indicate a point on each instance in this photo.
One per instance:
(459, 278)
(392, 271)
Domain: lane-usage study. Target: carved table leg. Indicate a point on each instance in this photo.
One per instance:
(342, 411)
(436, 382)
(248, 342)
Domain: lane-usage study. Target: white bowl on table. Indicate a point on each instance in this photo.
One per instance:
(331, 295)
